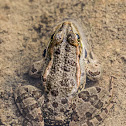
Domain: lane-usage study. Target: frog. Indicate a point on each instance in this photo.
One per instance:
(67, 66)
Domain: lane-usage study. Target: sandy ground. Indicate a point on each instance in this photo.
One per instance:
(25, 29)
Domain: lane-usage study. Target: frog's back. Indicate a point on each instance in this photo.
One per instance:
(61, 80)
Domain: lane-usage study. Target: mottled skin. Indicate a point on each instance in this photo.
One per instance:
(64, 69)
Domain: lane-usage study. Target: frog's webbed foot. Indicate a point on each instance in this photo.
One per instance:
(91, 106)
(36, 69)
(93, 68)
(29, 101)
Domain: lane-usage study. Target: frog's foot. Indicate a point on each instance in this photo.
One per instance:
(93, 71)
(36, 69)
(29, 101)
(91, 107)
(93, 68)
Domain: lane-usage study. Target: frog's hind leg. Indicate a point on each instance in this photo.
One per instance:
(99, 117)
(36, 68)
(91, 106)
(105, 110)
(29, 101)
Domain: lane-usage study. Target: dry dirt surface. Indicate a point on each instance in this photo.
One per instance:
(25, 29)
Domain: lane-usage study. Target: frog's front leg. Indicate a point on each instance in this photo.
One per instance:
(36, 68)
(29, 101)
(93, 67)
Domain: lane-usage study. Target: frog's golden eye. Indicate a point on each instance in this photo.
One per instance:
(72, 39)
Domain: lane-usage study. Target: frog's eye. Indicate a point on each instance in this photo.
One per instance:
(58, 37)
(72, 39)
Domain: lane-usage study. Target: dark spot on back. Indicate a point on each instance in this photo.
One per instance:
(88, 115)
(65, 82)
(62, 83)
(64, 101)
(66, 68)
(57, 51)
(98, 89)
(67, 48)
(55, 104)
(46, 100)
(55, 113)
(54, 93)
(74, 116)
(70, 62)
(65, 74)
(73, 106)
(66, 112)
(62, 110)
(50, 110)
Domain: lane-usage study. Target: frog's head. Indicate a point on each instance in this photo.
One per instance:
(66, 32)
